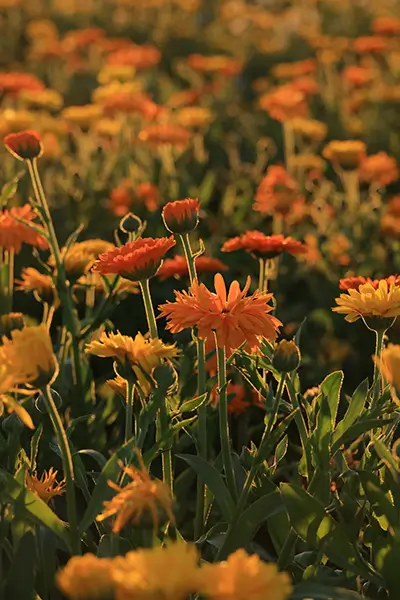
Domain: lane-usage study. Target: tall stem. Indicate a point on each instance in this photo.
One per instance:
(379, 335)
(68, 467)
(148, 305)
(201, 388)
(301, 427)
(223, 422)
(261, 277)
(130, 394)
(6, 280)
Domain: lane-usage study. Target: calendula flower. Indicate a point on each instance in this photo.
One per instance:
(175, 564)
(80, 256)
(41, 29)
(177, 266)
(24, 145)
(139, 57)
(13, 233)
(370, 44)
(264, 246)
(166, 134)
(224, 65)
(379, 168)
(136, 260)
(8, 382)
(309, 129)
(14, 83)
(118, 385)
(128, 103)
(120, 73)
(47, 99)
(132, 502)
(47, 486)
(181, 216)
(366, 302)
(389, 366)
(82, 116)
(29, 356)
(194, 117)
(306, 85)
(147, 193)
(294, 69)
(353, 283)
(389, 26)
(345, 154)
(277, 192)
(244, 577)
(234, 317)
(357, 77)
(86, 578)
(42, 285)
(284, 103)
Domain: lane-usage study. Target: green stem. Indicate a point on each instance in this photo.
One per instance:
(67, 467)
(379, 335)
(130, 394)
(224, 424)
(201, 388)
(301, 426)
(148, 305)
(261, 277)
(287, 549)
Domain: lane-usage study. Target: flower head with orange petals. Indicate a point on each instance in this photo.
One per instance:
(386, 25)
(24, 145)
(370, 44)
(278, 192)
(13, 233)
(225, 65)
(264, 246)
(379, 168)
(139, 57)
(14, 83)
(181, 216)
(347, 154)
(353, 283)
(87, 577)
(138, 260)
(369, 301)
(234, 317)
(166, 134)
(41, 284)
(284, 103)
(46, 487)
(177, 266)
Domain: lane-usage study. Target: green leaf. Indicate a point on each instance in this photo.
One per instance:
(194, 404)
(35, 446)
(280, 451)
(113, 545)
(97, 456)
(354, 410)
(35, 507)
(10, 189)
(358, 429)
(380, 499)
(322, 592)
(21, 574)
(390, 568)
(212, 479)
(330, 387)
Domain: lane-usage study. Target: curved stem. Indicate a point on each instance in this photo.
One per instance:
(130, 394)
(67, 467)
(379, 335)
(148, 305)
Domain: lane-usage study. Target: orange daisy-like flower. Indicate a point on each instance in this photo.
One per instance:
(181, 216)
(41, 284)
(148, 194)
(370, 44)
(139, 57)
(347, 154)
(13, 83)
(264, 246)
(353, 283)
(386, 26)
(136, 260)
(224, 65)
(284, 103)
(234, 317)
(166, 134)
(124, 102)
(13, 233)
(379, 168)
(24, 145)
(277, 192)
(357, 77)
(177, 266)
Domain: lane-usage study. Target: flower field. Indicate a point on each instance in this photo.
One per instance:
(199, 292)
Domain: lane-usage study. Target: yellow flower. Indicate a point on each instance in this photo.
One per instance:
(244, 577)
(389, 366)
(29, 356)
(110, 73)
(367, 302)
(7, 384)
(345, 154)
(42, 285)
(18, 120)
(46, 487)
(124, 286)
(143, 495)
(309, 128)
(79, 257)
(50, 99)
(108, 127)
(82, 116)
(118, 385)
(86, 578)
(194, 117)
(161, 573)
(102, 93)
(143, 354)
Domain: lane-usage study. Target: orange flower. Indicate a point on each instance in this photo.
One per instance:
(346, 154)
(24, 145)
(238, 402)
(121, 199)
(294, 69)
(284, 103)
(127, 103)
(306, 85)
(13, 83)
(164, 133)
(225, 65)
(13, 233)
(393, 207)
(177, 266)
(379, 168)
(386, 26)
(39, 283)
(264, 246)
(139, 57)
(234, 317)
(147, 194)
(47, 486)
(81, 39)
(356, 76)
(136, 260)
(370, 44)
(181, 216)
(277, 192)
(353, 283)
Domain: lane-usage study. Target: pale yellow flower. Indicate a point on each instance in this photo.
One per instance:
(366, 301)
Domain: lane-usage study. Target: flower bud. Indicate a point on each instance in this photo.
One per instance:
(24, 145)
(181, 216)
(286, 357)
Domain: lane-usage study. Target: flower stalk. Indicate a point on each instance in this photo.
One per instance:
(148, 305)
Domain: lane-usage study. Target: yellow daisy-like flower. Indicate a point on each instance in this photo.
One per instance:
(47, 486)
(41, 284)
(366, 301)
(162, 573)
(29, 356)
(7, 384)
(86, 578)
(389, 366)
(143, 495)
(79, 257)
(244, 577)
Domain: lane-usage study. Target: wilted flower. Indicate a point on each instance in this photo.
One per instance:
(264, 246)
(178, 267)
(181, 216)
(379, 168)
(46, 487)
(13, 233)
(382, 302)
(24, 145)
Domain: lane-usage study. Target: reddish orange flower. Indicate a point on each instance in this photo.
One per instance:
(127, 103)
(264, 246)
(139, 57)
(136, 260)
(234, 317)
(13, 83)
(177, 266)
(353, 283)
(184, 98)
(295, 69)
(386, 26)
(393, 207)
(148, 194)
(357, 77)
(13, 233)
(379, 168)
(306, 85)
(277, 192)
(24, 145)
(284, 103)
(164, 133)
(121, 199)
(181, 216)
(224, 65)
(81, 39)
(370, 44)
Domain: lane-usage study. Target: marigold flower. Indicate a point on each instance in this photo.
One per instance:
(14, 83)
(225, 65)
(82, 116)
(7, 384)
(306, 85)
(46, 487)
(132, 502)
(136, 260)
(125, 102)
(356, 76)
(181, 216)
(164, 133)
(284, 103)
(294, 69)
(18, 120)
(148, 194)
(264, 246)
(80, 39)
(368, 301)
(233, 317)
(119, 385)
(24, 145)
(33, 280)
(277, 192)
(13, 233)
(177, 567)
(177, 266)
(386, 26)
(194, 117)
(244, 577)
(354, 283)
(86, 578)
(370, 44)
(29, 356)
(80, 256)
(389, 365)
(379, 168)
(390, 225)
(345, 154)
(47, 98)
(139, 57)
